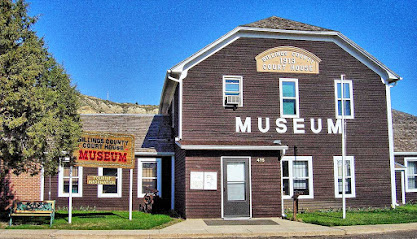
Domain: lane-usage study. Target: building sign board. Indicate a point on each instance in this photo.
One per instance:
(287, 59)
(104, 180)
(108, 150)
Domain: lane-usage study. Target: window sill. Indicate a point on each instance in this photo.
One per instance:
(346, 196)
(109, 196)
(67, 195)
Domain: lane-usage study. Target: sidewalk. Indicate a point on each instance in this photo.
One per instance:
(197, 228)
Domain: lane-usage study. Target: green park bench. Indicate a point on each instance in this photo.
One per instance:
(32, 209)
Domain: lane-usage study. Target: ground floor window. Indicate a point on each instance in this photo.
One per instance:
(64, 181)
(349, 176)
(149, 176)
(297, 176)
(411, 171)
(110, 191)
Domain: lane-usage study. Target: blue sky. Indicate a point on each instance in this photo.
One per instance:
(123, 48)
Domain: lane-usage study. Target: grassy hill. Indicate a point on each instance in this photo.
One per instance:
(93, 105)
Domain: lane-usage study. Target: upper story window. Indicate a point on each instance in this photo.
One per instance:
(232, 91)
(349, 176)
(289, 99)
(411, 181)
(64, 181)
(297, 176)
(149, 176)
(347, 104)
(110, 191)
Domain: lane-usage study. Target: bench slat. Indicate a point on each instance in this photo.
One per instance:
(30, 214)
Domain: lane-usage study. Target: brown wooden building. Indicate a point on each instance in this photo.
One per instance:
(257, 118)
(254, 118)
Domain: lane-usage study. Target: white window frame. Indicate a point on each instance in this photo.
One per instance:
(291, 160)
(336, 99)
(100, 193)
(406, 160)
(240, 79)
(158, 162)
(61, 182)
(296, 98)
(351, 159)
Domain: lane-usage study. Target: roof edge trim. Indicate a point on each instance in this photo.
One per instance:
(231, 147)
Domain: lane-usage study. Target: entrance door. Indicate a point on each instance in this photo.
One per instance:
(236, 187)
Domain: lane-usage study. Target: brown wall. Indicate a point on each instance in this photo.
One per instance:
(90, 199)
(266, 201)
(179, 181)
(205, 119)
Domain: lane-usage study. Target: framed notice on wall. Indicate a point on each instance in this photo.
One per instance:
(203, 180)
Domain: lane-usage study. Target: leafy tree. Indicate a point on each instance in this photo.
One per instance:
(39, 122)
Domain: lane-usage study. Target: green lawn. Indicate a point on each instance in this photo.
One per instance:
(402, 214)
(96, 220)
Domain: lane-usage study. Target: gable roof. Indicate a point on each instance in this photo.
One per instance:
(405, 131)
(152, 132)
(276, 28)
(284, 24)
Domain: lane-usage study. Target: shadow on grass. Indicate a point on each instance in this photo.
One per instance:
(87, 215)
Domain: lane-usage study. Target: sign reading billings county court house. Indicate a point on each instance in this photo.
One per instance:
(108, 150)
(287, 59)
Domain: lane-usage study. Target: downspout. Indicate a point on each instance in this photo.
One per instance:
(282, 184)
(182, 75)
(391, 144)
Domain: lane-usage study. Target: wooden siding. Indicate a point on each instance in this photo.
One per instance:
(205, 119)
(180, 181)
(90, 192)
(266, 201)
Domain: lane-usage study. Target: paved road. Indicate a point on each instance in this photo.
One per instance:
(391, 235)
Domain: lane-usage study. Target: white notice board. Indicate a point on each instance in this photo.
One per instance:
(203, 180)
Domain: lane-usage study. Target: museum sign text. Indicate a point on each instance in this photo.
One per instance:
(287, 59)
(299, 125)
(106, 150)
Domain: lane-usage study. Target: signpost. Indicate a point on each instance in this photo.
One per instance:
(107, 150)
(343, 147)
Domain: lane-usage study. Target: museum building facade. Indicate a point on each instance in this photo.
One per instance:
(250, 121)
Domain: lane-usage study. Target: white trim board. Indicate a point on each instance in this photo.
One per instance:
(231, 147)
(154, 153)
(406, 153)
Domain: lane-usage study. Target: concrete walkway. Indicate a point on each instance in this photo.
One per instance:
(197, 228)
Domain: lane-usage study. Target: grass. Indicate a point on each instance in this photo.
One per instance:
(96, 220)
(402, 214)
